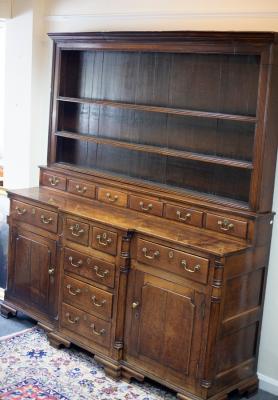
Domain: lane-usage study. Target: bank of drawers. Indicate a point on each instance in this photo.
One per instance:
(87, 309)
(152, 206)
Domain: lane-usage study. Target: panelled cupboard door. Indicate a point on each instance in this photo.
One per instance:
(164, 320)
(33, 271)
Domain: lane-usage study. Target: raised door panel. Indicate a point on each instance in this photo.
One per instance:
(162, 319)
(33, 276)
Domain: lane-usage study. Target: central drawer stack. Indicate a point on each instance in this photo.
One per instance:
(88, 282)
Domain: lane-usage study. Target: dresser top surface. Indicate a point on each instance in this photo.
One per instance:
(129, 220)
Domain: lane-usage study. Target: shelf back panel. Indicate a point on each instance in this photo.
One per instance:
(225, 83)
(230, 139)
(213, 179)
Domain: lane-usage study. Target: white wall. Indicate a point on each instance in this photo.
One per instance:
(29, 88)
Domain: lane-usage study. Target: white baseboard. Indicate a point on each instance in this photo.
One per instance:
(2, 292)
(268, 384)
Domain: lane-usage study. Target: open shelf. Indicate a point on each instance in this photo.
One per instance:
(159, 150)
(210, 178)
(164, 110)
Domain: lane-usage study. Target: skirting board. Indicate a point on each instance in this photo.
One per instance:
(268, 384)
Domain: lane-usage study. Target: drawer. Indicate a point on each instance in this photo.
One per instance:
(184, 264)
(112, 197)
(90, 327)
(89, 267)
(77, 231)
(55, 181)
(30, 214)
(81, 189)
(104, 240)
(185, 215)
(230, 226)
(87, 297)
(148, 206)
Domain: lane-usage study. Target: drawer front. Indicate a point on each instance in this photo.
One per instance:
(184, 215)
(104, 240)
(23, 212)
(55, 181)
(88, 326)
(147, 206)
(184, 264)
(81, 189)
(229, 226)
(112, 197)
(77, 231)
(89, 267)
(87, 297)
(45, 219)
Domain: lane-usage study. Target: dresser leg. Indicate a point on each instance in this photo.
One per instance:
(110, 369)
(128, 374)
(7, 311)
(249, 388)
(57, 341)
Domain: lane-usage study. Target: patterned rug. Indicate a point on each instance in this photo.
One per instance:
(31, 369)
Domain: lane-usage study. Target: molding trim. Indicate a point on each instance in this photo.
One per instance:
(268, 384)
(165, 15)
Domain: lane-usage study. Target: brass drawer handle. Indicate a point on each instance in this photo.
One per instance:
(75, 292)
(45, 220)
(81, 189)
(77, 265)
(104, 240)
(150, 257)
(148, 208)
(225, 225)
(110, 198)
(96, 303)
(100, 333)
(75, 230)
(196, 268)
(70, 320)
(100, 274)
(53, 180)
(181, 218)
(20, 211)
(51, 271)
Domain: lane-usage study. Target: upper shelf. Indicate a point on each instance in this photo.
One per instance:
(165, 110)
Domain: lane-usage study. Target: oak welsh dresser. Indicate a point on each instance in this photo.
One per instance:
(147, 241)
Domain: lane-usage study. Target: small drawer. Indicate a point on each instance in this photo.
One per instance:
(55, 181)
(88, 326)
(105, 241)
(22, 211)
(89, 267)
(184, 215)
(148, 206)
(87, 297)
(185, 264)
(77, 231)
(46, 219)
(37, 216)
(230, 226)
(112, 197)
(81, 189)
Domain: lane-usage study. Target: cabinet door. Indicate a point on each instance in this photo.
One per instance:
(32, 271)
(164, 324)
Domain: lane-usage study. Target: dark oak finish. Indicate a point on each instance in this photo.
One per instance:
(147, 242)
